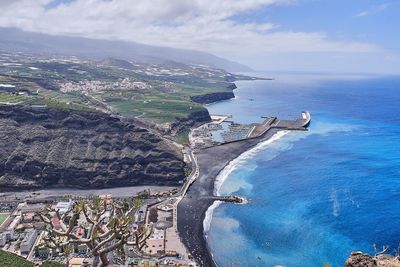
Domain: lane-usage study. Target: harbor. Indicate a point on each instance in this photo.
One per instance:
(211, 159)
(222, 130)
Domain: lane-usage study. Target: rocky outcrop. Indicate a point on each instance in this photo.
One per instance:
(359, 259)
(214, 97)
(195, 119)
(46, 147)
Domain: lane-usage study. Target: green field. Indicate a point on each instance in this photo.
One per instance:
(3, 217)
(11, 260)
(166, 97)
(8, 98)
(183, 137)
(157, 108)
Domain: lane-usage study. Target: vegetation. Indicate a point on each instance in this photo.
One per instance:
(8, 98)
(143, 194)
(12, 260)
(166, 97)
(188, 171)
(3, 217)
(183, 137)
(99, 241)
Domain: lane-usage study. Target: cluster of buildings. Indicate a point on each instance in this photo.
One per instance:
(221, 130)
(101, 86)
(20, 231)
(24, 233)
(202, 137)
(236, 132)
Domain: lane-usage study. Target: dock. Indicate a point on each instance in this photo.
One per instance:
(205, 135)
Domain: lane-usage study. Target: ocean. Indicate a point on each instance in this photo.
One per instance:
(315, 196)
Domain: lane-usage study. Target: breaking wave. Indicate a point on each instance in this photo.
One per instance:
(224, 174)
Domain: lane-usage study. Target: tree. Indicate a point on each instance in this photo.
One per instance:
(100, 237)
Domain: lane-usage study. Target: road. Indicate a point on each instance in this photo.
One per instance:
(190, 180)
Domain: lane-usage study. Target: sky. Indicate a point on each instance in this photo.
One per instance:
(295, 35)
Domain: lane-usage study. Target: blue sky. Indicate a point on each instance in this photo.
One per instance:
(341, 19)
(323, 35)
(55, 3)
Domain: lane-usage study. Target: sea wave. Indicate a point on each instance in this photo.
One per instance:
(319, 129)
(208, 216)
(223, 175)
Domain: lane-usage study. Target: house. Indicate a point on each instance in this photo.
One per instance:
(155, 244)
(13, 225)
(28, 208)
(56, 222)
(28, 217)
(4, 238)
(28, 241)
(64, 206)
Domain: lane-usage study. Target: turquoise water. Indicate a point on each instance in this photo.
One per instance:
(313, 196)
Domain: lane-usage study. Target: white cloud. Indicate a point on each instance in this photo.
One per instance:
(206, 25)
(374, 10)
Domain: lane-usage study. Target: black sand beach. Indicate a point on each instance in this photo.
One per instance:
(192, 208)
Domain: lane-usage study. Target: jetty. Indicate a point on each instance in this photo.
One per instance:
(228, 199)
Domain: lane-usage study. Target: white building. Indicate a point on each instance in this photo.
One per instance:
(28, 241)
(4, 238)
(155, 244)
(63, 207)
(13, 224)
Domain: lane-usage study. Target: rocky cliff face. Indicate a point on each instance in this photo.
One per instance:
(195, 119)
(214, 97)
(42, 147)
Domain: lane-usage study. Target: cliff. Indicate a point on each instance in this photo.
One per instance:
(195, 119)
(214, 97)
(46, 147)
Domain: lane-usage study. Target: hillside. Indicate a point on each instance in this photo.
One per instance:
(36, 43)
(45, 147)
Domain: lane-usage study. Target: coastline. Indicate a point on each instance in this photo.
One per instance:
(230, 167)
(192, 210)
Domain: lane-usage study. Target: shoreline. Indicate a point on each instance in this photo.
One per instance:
(230, 167)
(192, 209)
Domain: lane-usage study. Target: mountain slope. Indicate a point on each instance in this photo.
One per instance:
(17, 40)
(47, 147)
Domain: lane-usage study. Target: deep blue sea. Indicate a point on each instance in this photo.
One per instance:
(313, 196)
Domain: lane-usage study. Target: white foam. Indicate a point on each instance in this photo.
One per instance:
(223, 175)
(335, 203)
(208, 216)
(320, 129)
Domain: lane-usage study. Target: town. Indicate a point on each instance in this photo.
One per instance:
(63, 229)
